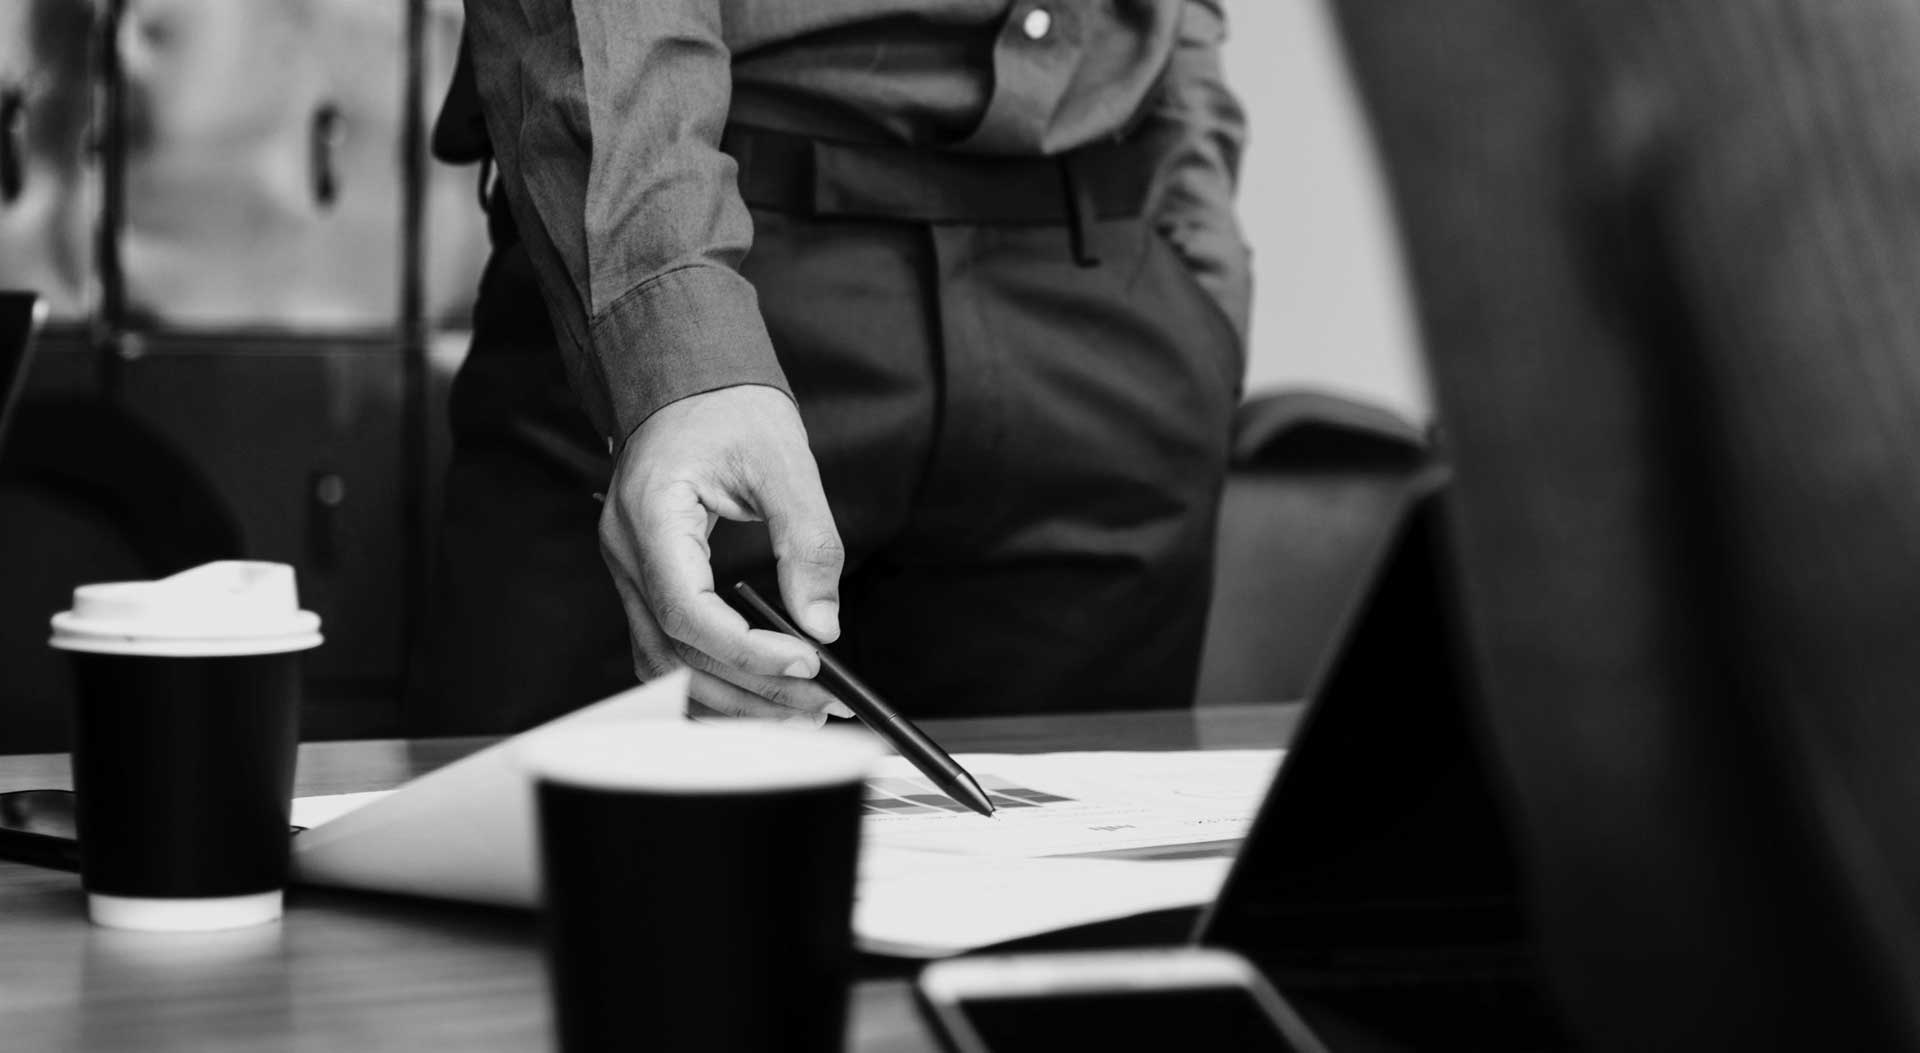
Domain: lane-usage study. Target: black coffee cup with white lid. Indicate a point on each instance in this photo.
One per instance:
(185, 732)
(698, 882)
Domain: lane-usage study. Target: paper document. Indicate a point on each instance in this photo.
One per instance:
(938, 879)
(934, 878)
(312, 811)
(1056, 804)
(926, 905)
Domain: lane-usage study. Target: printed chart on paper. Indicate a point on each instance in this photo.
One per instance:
(1074, 803)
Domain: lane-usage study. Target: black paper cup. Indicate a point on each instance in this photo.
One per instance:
(185, 735)
(698, 883)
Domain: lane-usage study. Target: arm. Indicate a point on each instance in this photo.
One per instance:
(1193, 206)
(622, 195)
(605, 118)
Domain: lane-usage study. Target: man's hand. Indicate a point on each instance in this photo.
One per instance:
(737, 453)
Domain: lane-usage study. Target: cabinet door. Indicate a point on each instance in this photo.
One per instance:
(49, 185)
(304, 441)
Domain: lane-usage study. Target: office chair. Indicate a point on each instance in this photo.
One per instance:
(87, 493)
(1316, 484)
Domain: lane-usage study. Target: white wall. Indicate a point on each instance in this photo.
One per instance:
(1329, 309)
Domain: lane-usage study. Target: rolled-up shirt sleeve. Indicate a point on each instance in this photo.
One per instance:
(1193, 204)
(605, 119)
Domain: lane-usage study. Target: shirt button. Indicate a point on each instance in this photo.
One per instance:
(1037, 24)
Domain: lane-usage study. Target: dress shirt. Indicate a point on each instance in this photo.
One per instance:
(605, 118)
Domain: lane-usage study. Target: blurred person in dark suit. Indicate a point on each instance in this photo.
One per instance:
(949, 296)
(1667, 260)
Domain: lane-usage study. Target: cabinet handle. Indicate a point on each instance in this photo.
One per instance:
(327, 132)
(13, 149)
(326, 493)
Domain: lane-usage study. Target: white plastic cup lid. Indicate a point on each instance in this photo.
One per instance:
(232, 607)
(656, 756)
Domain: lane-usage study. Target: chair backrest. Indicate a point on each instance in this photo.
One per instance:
(87, 493)
(1317, 485)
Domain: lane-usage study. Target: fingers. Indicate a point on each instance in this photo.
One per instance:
(808, 553)
(717, 696)
(716, 688)
(653, 653)
(736, 453)
(790, 692)
(675, 581)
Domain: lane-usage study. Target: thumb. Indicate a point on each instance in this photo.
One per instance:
(808, 555)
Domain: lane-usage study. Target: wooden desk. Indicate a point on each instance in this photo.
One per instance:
(350, 971)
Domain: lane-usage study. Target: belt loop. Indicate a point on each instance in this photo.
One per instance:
(1080, 214)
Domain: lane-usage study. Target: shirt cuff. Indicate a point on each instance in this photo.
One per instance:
(691, 330)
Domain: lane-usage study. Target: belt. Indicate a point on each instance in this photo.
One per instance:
(789, 173)
(793, 173)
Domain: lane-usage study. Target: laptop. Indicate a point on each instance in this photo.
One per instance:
(22, 315)
(1378, 887)
(1379, 882)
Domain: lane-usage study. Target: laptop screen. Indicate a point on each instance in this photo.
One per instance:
(1381, 855)
(1379, 881)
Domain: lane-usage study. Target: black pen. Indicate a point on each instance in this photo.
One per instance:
(910, 742)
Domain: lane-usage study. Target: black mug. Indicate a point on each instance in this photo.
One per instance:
(698, 883)
(185, 733)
